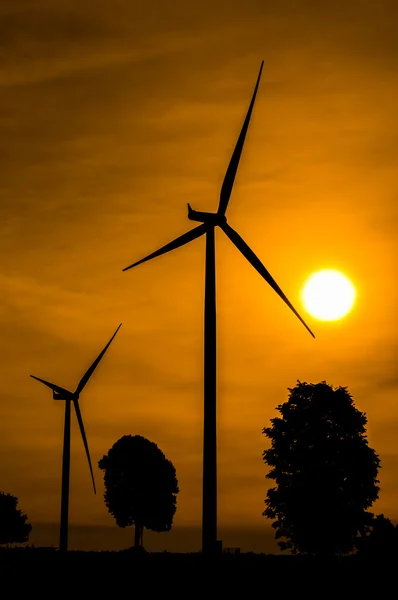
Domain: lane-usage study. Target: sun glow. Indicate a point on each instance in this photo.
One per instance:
(328, 295)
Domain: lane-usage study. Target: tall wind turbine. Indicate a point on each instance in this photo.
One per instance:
(60, 393)
(208, 223)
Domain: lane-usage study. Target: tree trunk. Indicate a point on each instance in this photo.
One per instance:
(138, 535)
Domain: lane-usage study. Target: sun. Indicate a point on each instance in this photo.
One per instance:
(328, 295)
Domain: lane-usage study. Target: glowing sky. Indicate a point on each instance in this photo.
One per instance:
(113, 116)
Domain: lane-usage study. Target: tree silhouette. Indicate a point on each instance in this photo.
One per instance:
(380, 540)
(324, 469)
(14, 527)
(140, 485)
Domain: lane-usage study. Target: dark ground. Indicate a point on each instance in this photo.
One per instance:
(106, 574)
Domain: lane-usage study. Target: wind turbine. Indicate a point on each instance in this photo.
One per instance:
(60, 393)
(208, 223)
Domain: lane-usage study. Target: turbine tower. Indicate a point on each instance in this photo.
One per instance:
(60, 393)
(208, 223)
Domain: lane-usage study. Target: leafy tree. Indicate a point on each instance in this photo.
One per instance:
(14, 527)
(140, 485)
(380, 540)
(324, 470)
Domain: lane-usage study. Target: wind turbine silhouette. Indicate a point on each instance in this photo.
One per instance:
(60, 393)
(209, 222)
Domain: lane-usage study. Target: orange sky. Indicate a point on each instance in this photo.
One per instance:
(116, 114)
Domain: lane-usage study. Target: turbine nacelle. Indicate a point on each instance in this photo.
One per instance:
(206, 217)
(65, 395)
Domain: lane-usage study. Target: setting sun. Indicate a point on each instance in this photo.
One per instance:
(328, 295)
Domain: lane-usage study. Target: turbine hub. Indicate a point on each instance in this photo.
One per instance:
(206, 217)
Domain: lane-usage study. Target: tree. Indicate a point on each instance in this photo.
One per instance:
(14, 527)
(324, 469)
(140, 485)
(380, 540)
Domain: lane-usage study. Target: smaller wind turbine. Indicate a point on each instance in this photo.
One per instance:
(60, 393)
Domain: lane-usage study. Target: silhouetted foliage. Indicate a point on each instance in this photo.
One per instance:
(14, 528)
(324, 469)
(140, 485)
(380, 540)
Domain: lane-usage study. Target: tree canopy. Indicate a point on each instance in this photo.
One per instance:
(380, 540)
(14, 527)
(140, 485)
(324, 470)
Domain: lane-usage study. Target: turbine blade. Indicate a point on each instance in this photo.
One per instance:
(258, 265)
(52, 386)
(81, 426)
(91, 369)
(229, 178)
(185, 238)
